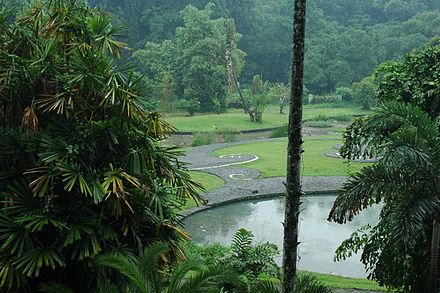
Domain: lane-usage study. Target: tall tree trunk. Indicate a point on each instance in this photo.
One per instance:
(232, 77)
(246, 107)
(435, 244)
(293, 183)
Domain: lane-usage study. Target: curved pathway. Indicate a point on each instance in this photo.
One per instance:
(242, 183)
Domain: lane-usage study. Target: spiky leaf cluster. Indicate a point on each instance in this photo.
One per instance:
(82, 169)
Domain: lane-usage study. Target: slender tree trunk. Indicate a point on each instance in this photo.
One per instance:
(245, 104)
(293, 183)
(435, 245)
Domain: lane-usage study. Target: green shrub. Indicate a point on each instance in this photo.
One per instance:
(190, 105)
(319, 117)
(307, 283)
(279, 132)
(227, 134)
(325, 99)
(234, 102)
(342, 118)
(251, 262)
(203, 138)
(319, 124)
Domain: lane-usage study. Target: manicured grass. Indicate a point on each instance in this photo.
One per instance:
(209, 181)
(272, 157)
(334, 281)
(238, 121)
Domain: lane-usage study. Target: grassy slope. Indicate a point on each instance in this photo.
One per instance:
(334, 281)
(272, 157)
(238, 121)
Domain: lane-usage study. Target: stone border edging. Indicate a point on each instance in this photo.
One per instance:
(191, 211)
(220, 130)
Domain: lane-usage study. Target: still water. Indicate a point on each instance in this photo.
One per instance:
(319, 238)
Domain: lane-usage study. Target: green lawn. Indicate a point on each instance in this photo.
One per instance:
(272, 157)
(209, 181)
(238, 121)
(334, 281)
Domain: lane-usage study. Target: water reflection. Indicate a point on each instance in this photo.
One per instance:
(319, 238)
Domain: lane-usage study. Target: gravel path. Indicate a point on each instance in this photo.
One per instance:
(242, 183)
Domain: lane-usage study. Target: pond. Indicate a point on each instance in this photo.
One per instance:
(319, 238)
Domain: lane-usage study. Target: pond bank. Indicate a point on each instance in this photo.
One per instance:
(242, 183)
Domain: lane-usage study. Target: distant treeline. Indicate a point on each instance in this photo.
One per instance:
(346, 39)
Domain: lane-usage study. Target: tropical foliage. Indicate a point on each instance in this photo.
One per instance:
(194, 60)
(82, 171)
(346, 39)
(403, 134)
(253, 264)
(257, 97)
(143, 275)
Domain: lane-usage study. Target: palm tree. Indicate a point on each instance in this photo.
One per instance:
(82, 170)
(396, 252)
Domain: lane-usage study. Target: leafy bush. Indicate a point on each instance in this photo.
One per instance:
(235, 103)
(325, 99)
(279, 132)
(203, 138)
(189, 105)
(228, 135)
(253, 263)
(345, 93)
(319, 117)
(319, 124)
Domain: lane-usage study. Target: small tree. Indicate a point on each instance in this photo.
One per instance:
(364, 92)
(257, 98)
(345, 93)
(279, 92)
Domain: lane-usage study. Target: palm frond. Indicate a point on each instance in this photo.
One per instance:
(31, 262)
(307, 283)
(369, 186)
(52, 287)
(242, 242)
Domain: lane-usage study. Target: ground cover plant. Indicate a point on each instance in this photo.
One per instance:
(236, 120)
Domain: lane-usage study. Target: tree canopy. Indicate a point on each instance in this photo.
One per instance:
(346, 39)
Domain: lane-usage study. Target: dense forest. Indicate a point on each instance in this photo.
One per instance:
(346, 39)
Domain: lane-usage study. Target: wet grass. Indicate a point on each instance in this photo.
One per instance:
(334, 281)
(210, 182)
(238, 121)
(272, 157)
